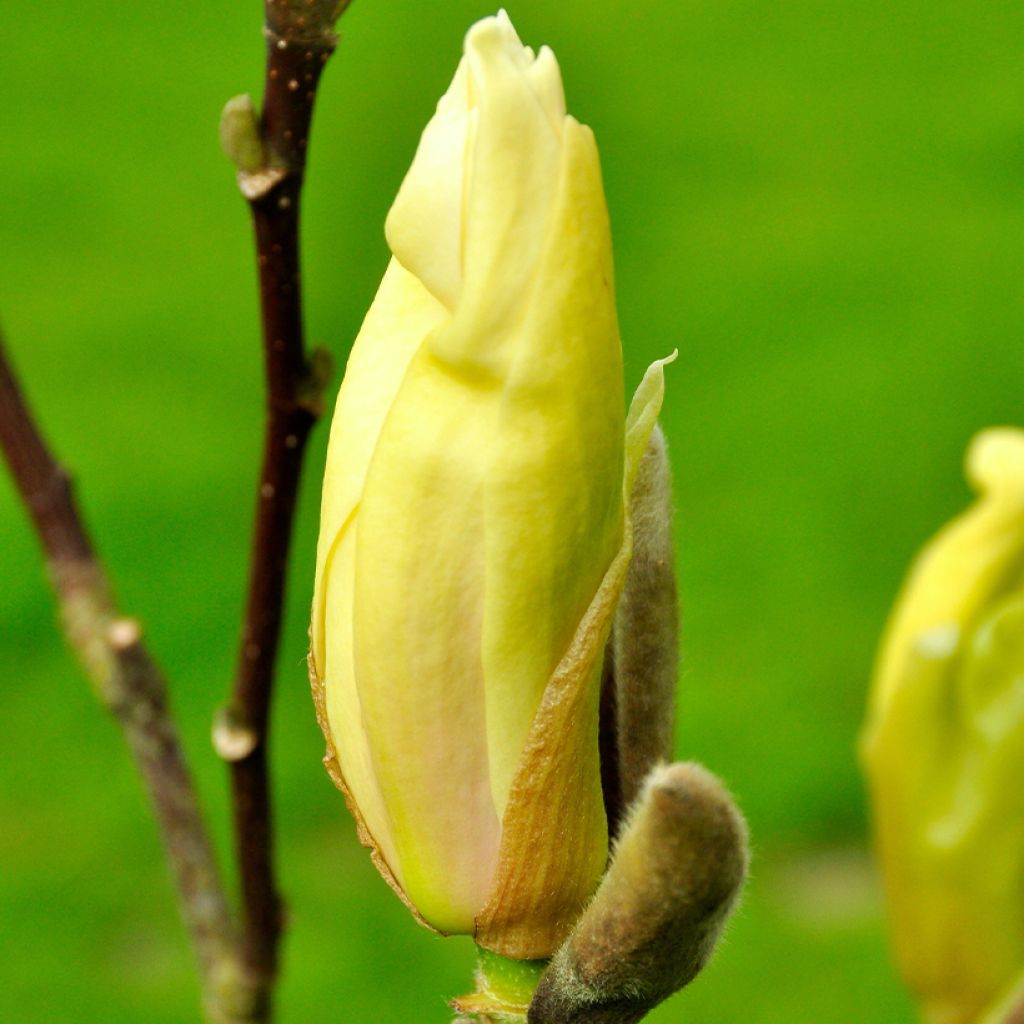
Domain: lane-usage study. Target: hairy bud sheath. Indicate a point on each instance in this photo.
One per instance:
(943, 749)
(678, 868)
(645, 636)
(475, 533)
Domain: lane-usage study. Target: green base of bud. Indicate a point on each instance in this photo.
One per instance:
(504, 989)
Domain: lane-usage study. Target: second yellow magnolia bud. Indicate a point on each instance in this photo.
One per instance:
(944, 749)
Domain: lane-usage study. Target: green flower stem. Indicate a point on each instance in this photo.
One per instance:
(504, 989)
(510, 981)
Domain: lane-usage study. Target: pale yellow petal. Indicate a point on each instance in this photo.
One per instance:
(401, 316)
(424, 226)
(545, 877)
(553, 498)
(418, 588)
(540, 71)
(512, 180)
(546, 81)
(967, 563)
(344, 713)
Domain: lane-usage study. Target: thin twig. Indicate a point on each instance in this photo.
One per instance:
(129, 684)
(300, 39)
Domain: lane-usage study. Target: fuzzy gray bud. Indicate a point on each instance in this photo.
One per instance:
(678, 868)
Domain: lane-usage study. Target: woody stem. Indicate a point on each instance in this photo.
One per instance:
(300, 39)
(128, 683)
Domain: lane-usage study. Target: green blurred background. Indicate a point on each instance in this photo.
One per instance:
(820, 203)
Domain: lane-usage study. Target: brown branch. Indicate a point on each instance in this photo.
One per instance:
(238, 972)
(129, 684)
(300, 40)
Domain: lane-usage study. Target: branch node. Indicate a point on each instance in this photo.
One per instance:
(124, 634)
(233, 738)
(315, 36)
(310, 392)
(241, 138)
(256, 184)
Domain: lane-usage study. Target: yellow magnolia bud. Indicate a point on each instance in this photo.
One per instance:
(474, 531)
(944, 749)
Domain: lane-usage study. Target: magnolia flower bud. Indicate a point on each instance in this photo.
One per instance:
(474, 529)
(944, 749)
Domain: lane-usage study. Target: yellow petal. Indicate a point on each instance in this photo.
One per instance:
(968, 562)
(553, 495)
(944, 749)
(399, 318)
(418, 608)
(512, 180)
(424, 225)
(545, 875)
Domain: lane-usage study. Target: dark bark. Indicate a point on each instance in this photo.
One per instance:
(300, 39)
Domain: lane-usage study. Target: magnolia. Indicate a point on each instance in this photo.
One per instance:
(475, 530)
(944, 750)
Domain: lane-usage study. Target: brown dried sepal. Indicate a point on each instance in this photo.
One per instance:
(484, 1009)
